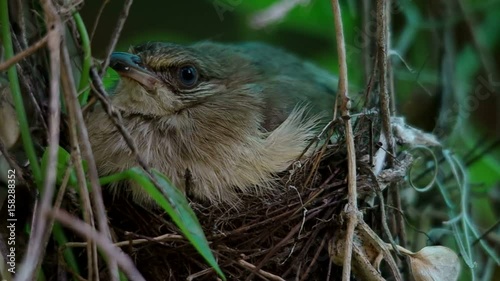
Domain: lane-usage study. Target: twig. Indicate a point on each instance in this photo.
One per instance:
(390, 74)
(15, 59)
(491, 229)
(199, 274)
(380, 245)
(369, 86)
(329, 272)
(383, 215)
(351, 209)
(41, 232)
(385, 111)
(368, 42)
(382, 68)
(261, 272)
(26, 76)
(116, 34)
(247, 228)
(102, 240)
(389, 258)
(97, 18)
(470, 160)
(65, 256)
(161, 238)
(114, 114)
(76, 158)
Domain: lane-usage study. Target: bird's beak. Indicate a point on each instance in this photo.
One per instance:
(131, 66)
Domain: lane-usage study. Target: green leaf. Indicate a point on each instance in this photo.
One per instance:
(178, 208)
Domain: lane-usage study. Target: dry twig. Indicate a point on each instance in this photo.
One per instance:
(41, 231)
(351, 209)
(161, 238)
(385, 105)
(102, 240)
(97, 18)
(15, 59)
(261, 272)
(76, 157)
(116, 34)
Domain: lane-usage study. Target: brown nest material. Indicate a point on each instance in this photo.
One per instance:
(282, 235)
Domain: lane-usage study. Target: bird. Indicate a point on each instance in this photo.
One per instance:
(218, 119)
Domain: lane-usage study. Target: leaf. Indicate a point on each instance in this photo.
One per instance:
(435, 263)
(179, 210)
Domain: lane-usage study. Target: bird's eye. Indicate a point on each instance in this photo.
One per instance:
(188, 75)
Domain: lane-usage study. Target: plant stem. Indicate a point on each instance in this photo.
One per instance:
(16, 94)
(83, 85)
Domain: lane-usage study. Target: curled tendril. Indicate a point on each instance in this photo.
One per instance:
(434, 158)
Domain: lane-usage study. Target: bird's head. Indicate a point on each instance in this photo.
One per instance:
(163, 79)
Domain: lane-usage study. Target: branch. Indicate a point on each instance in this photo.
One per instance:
(383, 69)
(41, 231)
(351, 209)
(74, 109)
(15, 59)
(76, 158)
(104, 243)
(116, 34)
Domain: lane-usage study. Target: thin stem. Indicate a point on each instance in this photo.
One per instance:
(15, 59)
(102, 240)
(83, 86)
(15, 89)
(352, 211)
(116, 33)
(98, 17)
(383, 47)
(42, 226)
(75, 110)
(114, 178)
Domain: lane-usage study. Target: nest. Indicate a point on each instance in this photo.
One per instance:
(284, 235)
(295, 233)
(281, 236)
